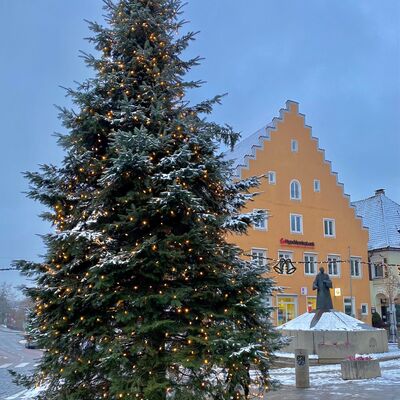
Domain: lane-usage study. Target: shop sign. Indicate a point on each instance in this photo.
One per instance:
(298, 243)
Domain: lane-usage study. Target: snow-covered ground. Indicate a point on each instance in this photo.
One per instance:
(324, 376)
(331, 375)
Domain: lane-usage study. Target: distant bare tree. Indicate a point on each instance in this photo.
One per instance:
(5, 302)
(13, 308)
(392, 285)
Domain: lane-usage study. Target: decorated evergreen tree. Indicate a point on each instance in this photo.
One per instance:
(140, 295)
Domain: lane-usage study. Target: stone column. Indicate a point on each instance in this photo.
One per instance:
(302, 367)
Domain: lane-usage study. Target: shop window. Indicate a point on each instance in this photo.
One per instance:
(287, 308)
(310, 264)
(334, 265)
(311, 303)
(355, 267)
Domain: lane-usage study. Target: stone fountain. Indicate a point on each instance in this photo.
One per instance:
(331, 335)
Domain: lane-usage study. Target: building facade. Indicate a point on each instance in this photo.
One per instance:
(309, 219)
(382, 217)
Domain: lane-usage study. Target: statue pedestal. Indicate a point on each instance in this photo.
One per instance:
(335, 337)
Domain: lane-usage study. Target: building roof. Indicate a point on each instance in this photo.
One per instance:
(382, 217)
(246, 148)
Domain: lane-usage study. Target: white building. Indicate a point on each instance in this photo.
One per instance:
(382, 217)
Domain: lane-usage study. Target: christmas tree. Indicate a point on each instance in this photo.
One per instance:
(140, 295)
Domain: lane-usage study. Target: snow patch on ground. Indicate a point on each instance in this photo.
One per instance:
(31, 393)
(394, 351)
(291, 355)
(331, 375)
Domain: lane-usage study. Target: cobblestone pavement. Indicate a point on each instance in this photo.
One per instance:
(14, 356)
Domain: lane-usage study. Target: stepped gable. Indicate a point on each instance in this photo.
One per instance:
(329, 321)
(247, 148)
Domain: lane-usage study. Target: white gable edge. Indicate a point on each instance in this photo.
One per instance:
(336, 175)
(273, 127)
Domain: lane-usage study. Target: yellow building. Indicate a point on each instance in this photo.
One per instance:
(309, 219)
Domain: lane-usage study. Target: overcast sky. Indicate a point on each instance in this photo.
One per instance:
(340, 59)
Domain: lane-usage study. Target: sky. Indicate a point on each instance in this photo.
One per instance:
(339, 59)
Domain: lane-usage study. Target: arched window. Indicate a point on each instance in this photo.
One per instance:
(295, 190)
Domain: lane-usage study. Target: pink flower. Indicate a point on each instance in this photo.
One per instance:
(359, 358)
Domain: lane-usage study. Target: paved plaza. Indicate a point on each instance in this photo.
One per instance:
(326, 381)
(327, 384)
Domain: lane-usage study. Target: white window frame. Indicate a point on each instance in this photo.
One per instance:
(333, 226)
(353, 259)
(315, 261)
(335, 257)
(265, 227)
(294, 145)
(293, 193)
(272, 177)
(366, 305)
(259, 254)
(269, 301)
(297, 232)
(286, 255)
(317, 185)
(374, 266)
(353, 303)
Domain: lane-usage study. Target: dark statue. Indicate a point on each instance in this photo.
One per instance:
(322, 284)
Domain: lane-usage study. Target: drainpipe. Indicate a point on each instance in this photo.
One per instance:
(351, 286)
